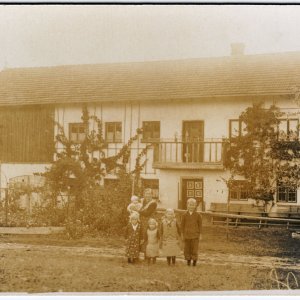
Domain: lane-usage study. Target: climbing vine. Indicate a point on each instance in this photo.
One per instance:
(74, 182)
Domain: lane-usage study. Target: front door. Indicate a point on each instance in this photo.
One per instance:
(192, 188)
(192, 138)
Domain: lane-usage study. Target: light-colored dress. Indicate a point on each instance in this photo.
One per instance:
(170, 238)
(152, 246)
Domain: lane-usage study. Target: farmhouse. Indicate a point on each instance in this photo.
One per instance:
(187, 108)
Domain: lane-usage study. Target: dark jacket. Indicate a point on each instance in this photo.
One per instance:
(148, 209)
(191, 225)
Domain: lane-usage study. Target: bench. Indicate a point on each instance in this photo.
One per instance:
(237, 209)
(282, 212)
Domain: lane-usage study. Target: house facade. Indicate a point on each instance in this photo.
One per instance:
(186, 108)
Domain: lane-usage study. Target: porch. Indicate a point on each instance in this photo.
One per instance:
(188, 154)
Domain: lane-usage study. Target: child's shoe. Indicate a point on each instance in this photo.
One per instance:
(169, 260)
(173, 260)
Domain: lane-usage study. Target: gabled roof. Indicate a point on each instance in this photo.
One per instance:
(247, 75)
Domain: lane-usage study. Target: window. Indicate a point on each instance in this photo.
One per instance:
(236, 128)
(151, 130)
(153, 184)
(288, 129)
(113, 132)
(77, 132)
(238, 191)
(286, 194)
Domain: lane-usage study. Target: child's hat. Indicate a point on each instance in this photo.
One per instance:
(134, 198)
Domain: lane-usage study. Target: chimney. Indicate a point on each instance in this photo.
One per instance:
(237, 49)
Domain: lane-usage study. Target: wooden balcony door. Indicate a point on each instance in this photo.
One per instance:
(192, 138)
(192, 188)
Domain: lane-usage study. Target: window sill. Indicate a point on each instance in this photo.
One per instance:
(288, 140)
(237, 200)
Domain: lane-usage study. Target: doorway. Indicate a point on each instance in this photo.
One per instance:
(192, 188)
(192, 141)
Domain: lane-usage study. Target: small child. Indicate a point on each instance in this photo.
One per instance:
(152, 241)
(135, 205)
(170, 237)
(133, 237)
(191, 228)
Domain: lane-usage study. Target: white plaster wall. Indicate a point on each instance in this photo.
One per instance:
(215, 113)
(214, 189)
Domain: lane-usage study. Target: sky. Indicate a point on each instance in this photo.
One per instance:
(51, 35)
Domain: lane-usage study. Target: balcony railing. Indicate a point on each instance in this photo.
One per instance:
(188, 154)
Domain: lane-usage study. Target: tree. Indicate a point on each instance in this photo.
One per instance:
(261, 155)
(79, 170)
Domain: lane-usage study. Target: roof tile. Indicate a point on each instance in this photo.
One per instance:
(267, 74)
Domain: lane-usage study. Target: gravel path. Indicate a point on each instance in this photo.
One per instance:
(204, 258)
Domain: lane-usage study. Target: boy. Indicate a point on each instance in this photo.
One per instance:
(191, 226)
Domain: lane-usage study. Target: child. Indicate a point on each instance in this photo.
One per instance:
(191, 228)
(152, 241)
(135, 205)
(133, 237)
(170, 237)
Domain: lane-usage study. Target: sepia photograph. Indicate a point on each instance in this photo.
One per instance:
(149, 149)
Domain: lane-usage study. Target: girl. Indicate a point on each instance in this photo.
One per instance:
(133, 237)
(152, 241)
(170, 237)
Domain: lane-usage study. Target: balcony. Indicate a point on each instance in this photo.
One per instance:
(182, 154)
